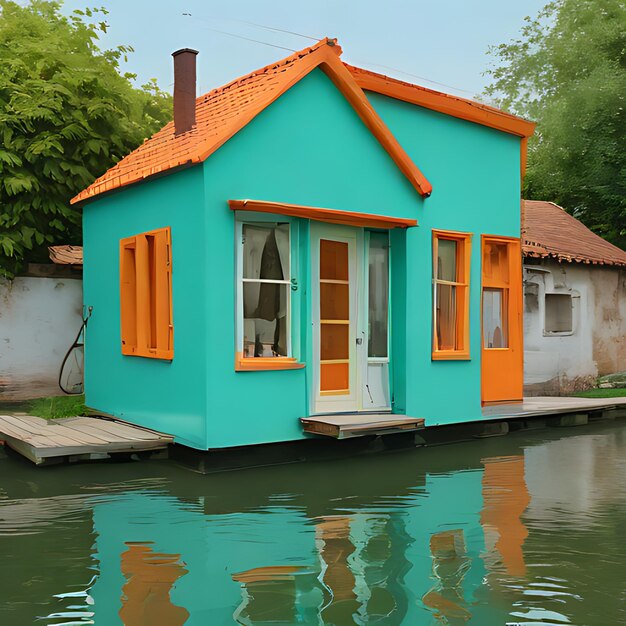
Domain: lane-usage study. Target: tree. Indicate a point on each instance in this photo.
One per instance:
(567, 72)
(67, 114)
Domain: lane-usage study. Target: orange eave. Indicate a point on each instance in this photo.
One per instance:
(462, 108)
(332, 216)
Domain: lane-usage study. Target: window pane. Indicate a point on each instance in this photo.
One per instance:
(335, 342)
(496, 262)
(446, 261)
(495, 316)
(446, 317)
(334, 301)
(265, 323)
(334, 376)
(266, 251)
(333, 260)
(378, 295)
(558, 313)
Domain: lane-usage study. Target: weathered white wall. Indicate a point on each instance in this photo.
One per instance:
(597, 344)
(39, 319)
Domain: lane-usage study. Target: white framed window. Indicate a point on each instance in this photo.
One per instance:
(264, 288)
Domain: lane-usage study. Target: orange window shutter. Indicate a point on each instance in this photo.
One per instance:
(143, 295)
(128, 295)
(162, 290)
(146, 295)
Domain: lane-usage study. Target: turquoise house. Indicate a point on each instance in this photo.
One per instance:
(312, 240)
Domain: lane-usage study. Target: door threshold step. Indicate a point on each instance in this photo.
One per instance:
(344, 425)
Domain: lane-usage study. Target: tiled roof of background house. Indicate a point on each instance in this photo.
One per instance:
(66, 255)
(550, 232)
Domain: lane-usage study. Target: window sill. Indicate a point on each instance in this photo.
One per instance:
(451, 355)
(259, 364)
(164, 355)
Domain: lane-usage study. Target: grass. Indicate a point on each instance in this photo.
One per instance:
(601, 393)
(57, 407)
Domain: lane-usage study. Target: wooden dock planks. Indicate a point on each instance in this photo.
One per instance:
(84, 437)
(344, 426)
(544, 405)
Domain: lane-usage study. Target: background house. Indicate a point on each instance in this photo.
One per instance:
(40, 314)
(574, 303)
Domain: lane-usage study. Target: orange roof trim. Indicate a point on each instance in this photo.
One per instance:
(550, 232)
(331, 216)
(470, 110)
(223, 112)
(462, 108)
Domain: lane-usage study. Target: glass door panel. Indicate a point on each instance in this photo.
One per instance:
(495, 318)
(334, 318)
(378, 290)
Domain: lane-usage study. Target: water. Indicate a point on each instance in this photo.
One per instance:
(526, 529)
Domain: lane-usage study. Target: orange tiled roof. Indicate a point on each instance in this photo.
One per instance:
(550, 232)
(221, 113)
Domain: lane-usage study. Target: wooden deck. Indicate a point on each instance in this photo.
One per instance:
(535, 407)
(76, 438)
(343, 426)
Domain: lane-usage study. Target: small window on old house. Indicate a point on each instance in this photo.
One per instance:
(558, 314)
(146, 295)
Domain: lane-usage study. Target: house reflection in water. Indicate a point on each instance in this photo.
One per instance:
(146, 595)
(428, 550)
(450, 564)
(505, 498)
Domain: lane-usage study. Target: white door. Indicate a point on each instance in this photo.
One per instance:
(337, 338)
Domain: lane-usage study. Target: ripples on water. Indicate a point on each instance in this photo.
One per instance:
(527, 529)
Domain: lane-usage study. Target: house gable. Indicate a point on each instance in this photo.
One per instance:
(310, 148)
(222, 113)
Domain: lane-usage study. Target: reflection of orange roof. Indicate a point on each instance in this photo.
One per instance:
(266, 574)
(551, 232)
(221, 113)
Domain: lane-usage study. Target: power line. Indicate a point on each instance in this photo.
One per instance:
(272, 28)
(290, 32)
(223, 32)
(278, 30)
(428, 80)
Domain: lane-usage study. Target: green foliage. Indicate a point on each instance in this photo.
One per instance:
(57, 407)
(602, 393)
(568, 73)
(67, 114)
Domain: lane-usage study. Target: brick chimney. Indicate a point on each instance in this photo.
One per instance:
(184, 89)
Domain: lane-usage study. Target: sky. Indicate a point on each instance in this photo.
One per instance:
(441, 44)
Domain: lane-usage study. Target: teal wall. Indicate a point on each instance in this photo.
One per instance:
(167, 396)
(308, 148)
(475, 173)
